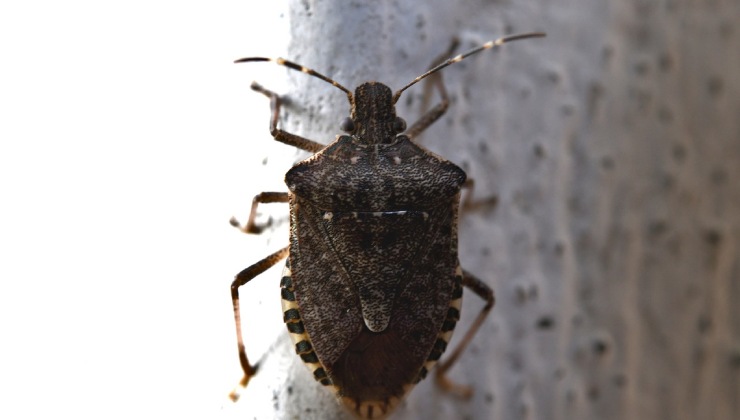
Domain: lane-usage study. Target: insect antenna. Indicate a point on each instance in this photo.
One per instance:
(294, 66)
(488, 45)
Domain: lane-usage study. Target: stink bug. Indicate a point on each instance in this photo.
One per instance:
(372, 288)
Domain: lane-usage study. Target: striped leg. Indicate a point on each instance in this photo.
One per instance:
(261, 198)
(435, 113)
(278, 134)
(488, 203)
(486, 293)
(241, 279)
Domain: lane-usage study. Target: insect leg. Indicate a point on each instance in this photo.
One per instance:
(280, 135)
(264, 197)
(240, 280)
(486, 293)
(436, 80)
(468, 203)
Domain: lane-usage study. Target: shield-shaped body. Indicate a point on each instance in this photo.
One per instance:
(372, 288)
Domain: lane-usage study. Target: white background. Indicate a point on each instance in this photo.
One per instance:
(125, 146)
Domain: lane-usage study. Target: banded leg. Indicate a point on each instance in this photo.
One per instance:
(240, 280)
(468, 204)
(486, 293)
(435, 113)
(261, 198)
(278, 134)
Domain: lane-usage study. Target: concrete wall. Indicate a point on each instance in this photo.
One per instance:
(613, 146)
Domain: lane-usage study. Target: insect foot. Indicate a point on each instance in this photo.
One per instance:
(372, 287)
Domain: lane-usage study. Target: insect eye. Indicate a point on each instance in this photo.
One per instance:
(348, 126)
(399, 125)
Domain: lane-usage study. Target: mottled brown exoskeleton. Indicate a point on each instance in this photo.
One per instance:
(372, 288)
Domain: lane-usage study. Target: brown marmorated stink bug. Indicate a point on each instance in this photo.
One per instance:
(372, 287)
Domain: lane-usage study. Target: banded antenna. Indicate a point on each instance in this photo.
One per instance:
(295, 66)
(487, 46)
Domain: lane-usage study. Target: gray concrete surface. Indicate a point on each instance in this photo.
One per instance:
(613, 146)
